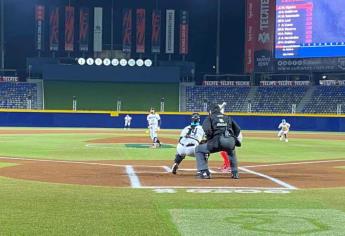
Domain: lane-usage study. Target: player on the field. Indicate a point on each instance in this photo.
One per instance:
(221, 132)
(226, 167)
(284, 130)
(154, 123)
(190, 137)
(128, 120)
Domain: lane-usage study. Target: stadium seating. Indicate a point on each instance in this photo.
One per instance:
(16, 95)
(325, 100)
(277, 99)
(322, 99)
(234, 96)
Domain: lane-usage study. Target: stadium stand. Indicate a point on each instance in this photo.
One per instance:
(277, 99)
(234, 96)
(16, 95)
(325, 100)
(317, 99)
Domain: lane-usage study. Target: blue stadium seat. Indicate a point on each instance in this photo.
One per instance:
(325, 100)
(16, 95)
(234, 96)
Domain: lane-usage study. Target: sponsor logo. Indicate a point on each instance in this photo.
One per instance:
(264, 37)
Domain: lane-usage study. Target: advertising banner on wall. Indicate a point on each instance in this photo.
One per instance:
(259, 46)
(250, 35)
(69, 28)
(170, 32)
(40, 22)
(285, 83)
(184, 32)
(140, 38)
(226, 83)
(127, 30)
(84, 28)
(332, 82)
(310, 64)
(156, 31)
(97, 29)
(54, 29)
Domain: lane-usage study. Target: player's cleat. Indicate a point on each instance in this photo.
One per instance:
(281, 139)
(226, 170)
(174, 168)
(204, 174)
(235, 175)
(286, 140)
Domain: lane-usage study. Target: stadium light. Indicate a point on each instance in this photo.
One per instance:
(140, 62)
(106, 62)
(98, 61)
(115, 62)
(90, 61)
(131, 62)
(123, 62)
(81, 61)
(148, 63)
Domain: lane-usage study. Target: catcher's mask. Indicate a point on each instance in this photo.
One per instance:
(195, 119)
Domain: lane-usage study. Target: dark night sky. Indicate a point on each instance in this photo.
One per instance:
(19, 17)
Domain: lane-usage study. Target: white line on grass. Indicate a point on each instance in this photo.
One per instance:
(294, 163)
(135, 182)
(73, 162)
(277, 181)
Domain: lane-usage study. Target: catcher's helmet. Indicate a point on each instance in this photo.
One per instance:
(195, 118)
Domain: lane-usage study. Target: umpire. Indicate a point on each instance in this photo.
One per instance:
(221, 133)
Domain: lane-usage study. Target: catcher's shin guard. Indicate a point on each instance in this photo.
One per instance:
(178, 159)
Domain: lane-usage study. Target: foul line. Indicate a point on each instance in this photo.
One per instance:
(73, 162)
(167, 169)
(277, 181)
(133, 178)
(294, 163)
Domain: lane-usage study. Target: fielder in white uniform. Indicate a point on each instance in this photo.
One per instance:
(154, 121)
(190, 138)
(128, 120)
(284, 130)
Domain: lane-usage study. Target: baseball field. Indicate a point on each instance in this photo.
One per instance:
(109, 182)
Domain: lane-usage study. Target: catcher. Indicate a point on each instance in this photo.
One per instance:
(190, 138)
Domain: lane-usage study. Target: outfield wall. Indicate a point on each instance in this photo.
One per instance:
(95, 119)
(104, 95)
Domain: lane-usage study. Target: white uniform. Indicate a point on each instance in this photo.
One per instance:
(190, 139)
(128, 120)
(153, 125)
(284, 129)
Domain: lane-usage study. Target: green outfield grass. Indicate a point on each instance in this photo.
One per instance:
(74, 147)
(35, 208)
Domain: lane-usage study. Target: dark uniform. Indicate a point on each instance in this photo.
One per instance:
(221, 132)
